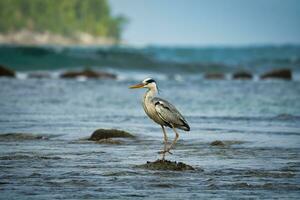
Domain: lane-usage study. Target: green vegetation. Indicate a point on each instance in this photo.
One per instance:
(64, 17)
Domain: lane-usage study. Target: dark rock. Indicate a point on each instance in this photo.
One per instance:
(166, 165)
(4, 71)
(108, 141)
(217, 143)
(88, 73)
(280, 74)
(214, 76)
(109, 133)
(242, 75)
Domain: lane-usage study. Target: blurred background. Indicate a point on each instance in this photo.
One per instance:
(202, 36)
(231, 67)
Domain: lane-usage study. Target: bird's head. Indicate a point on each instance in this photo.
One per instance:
(147, 83)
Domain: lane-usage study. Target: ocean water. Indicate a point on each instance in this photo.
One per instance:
(258, 120)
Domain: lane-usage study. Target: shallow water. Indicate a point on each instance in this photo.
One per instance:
(259, 122)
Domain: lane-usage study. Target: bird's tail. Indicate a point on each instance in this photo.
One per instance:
(185, 126)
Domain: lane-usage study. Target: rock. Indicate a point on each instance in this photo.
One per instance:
(280, 74)
(214, 76)
(108, 141)
(88, 73)
(4, 71)
(166, 165)
(226, 143)
(242, 75)
(109, 133)
(217, 143)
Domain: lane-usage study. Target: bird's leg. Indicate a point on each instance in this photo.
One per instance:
(165, 138)
(165, 144)
(175, 140)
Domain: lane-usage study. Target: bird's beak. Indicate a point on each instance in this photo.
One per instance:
(140, 85)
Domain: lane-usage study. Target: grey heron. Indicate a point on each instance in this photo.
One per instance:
(162, 112)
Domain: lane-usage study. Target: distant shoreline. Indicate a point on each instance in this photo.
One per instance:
(31, 38)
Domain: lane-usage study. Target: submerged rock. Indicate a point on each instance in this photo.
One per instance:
(281, 74)
(215, 76)
(242, 75)
(284, 116)
(21, 136)
(101, 134)
(166, 165)
(217, 143)
(226, 143)
(4, 71)
(88, 73)
(108, 141)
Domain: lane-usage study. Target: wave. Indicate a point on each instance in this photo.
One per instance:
(28, 157)
(251, 186)
(280, 117)
(24, 136)
(159, 59)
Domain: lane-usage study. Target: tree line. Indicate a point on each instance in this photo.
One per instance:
(61, 16)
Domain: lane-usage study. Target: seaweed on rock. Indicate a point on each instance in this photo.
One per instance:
(166, 165)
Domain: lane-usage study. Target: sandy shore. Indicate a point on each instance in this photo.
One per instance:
(26, 37)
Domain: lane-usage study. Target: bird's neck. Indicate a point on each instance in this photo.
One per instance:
(152, 92)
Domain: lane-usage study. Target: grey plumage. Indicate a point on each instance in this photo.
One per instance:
(161, 111)
(169, 114)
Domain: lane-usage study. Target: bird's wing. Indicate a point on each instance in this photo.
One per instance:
(168, 113)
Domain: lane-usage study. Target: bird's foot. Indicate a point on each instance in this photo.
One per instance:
(165, 151)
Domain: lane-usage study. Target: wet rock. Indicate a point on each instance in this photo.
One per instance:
(214, 76)
(4, 71)
(166, 165)
(227, 143)
(109, 141)
(217, 143)
(88, 73)
(243, 75)
(279, 74)
(101, 134)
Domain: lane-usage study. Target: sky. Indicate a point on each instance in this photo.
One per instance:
(209, 22)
